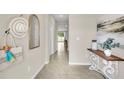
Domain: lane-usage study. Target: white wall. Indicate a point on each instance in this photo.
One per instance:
(82, 29)
(33, 59)
(47, 40)
(50, 37)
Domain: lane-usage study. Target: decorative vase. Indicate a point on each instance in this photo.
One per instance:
(94, 44)
(107, 52)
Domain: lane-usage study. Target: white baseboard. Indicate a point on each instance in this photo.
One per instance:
(38, 71)
(78, 63)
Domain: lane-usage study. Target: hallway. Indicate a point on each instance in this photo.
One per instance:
(58, 68)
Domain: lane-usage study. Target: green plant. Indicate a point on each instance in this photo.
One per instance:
(109, 43)
(60, 34)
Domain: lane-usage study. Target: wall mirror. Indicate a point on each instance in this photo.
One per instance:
(34, 32)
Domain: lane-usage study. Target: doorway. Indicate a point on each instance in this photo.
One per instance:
(62, 41)
(60, 36)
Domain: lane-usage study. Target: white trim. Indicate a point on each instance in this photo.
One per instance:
(38, 71)
(78, 63)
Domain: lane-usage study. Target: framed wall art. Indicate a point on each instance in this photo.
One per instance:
(34, 32)
(111, 26)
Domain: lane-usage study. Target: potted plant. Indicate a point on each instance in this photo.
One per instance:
(108, 45)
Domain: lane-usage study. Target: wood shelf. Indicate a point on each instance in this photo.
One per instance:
(101, 54)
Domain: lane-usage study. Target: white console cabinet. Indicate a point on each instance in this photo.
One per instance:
(107, 66)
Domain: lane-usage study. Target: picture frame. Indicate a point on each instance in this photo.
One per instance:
(34, 32)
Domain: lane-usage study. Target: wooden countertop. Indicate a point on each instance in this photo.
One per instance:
(101, 54)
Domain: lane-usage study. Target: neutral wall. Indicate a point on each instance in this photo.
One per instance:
(82, 29)
(33, 59)
(52, 34)
(47, 41)
(50, 37)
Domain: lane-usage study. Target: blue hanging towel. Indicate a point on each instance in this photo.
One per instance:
(9, 56)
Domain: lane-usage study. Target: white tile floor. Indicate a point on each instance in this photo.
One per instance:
(58, 68)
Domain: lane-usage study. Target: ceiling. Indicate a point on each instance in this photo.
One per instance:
(61, 19)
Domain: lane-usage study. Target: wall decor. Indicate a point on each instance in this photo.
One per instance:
(110, 26)
(34, 32)
(10, 52)
(18, 27)
(94, 44)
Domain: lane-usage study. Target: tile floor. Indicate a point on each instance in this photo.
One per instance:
(58, 68)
